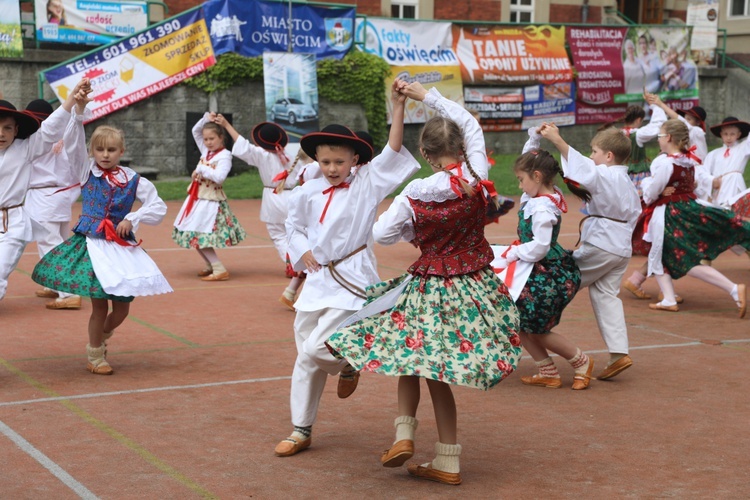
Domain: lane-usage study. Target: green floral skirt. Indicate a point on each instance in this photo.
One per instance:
(462, 330)
(227, 232)
(67, 268)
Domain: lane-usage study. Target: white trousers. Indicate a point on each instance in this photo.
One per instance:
(11, 250)
(602, 273)
(314, 361)
(48, 235)
(277, 232)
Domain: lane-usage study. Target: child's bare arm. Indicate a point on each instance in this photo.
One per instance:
(550, 132)
(398, 99)
(655, 100)
(415, 91)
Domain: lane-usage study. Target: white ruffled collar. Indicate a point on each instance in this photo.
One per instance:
(127, 172)
(435, 188)
(536, 204)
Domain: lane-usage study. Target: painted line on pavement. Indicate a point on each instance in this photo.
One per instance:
(46, 462)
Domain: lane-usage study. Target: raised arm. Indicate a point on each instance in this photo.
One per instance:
(198, 133)
(398, 100)
(221, 121)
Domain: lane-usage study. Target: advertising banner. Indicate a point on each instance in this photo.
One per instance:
(11, 42)
(549, 103)
(512, 56)
(251, 28)
(137, 67)
(407, 43)
(91, 22)
(499, 108)
(703, 16)
(290, 82)
(446, 79)
(616, 65)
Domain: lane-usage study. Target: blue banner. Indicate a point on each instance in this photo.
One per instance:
(549, 103)
(253, 27)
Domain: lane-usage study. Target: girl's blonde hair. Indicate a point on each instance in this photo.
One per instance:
(443, 137)
(679, 133)
(104, 136)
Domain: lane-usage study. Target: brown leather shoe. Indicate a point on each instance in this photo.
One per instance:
(72, 302)
(396, 455)
(205, 272)
(347, 384)
(287, 302)
(658, 307)
(677, 298)
(581, 382)
(431, 474)
(216, 277)
(615, 368)
(742, 292)
(551, 382)
(291, 446)
(46, 293)
(635, 290)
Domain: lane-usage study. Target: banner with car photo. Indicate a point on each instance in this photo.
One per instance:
(616, 65)
(11, 42)
(290, 81)
(90, 22)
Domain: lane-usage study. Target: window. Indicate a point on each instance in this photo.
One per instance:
(404, 9)
(739, 8)
(522, 11)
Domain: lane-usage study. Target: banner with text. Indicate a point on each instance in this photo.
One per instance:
(703, 16)
(251, 28)
(137, 67)
(407, 43)
(512, 56)
(616, 65)
(499, 108)
(92, 22)
(553, 103)
(11, 36)
(446, 79)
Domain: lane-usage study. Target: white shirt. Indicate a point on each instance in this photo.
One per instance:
(613, 195)
(273, 206)
(15, 175)
(729, 169)
(545, 217)
(346, 227)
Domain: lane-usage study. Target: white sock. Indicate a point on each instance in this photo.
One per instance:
(405, 426)
(446, 458)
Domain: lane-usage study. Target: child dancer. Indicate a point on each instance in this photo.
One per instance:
(605, 239)
(694, 118)
(277, 171)
(205, 221)
(53, 190)
(725, 166)
(453, 321)
(555, 278)
(681, 232)
(330, 234)
(21, 144)
(103, 260)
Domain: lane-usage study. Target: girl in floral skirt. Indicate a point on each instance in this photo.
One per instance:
(555, 278)
(681, 232)
(205, 221)
(450, 319)
(103, 260)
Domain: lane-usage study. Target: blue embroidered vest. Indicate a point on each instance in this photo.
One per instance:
(102, 200)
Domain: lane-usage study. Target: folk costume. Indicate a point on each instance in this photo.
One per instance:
(335, 224)
(451, 318)
(95, 262)
(639, 163)
(53, 189)
(32, 142)
(205, 219)
(696, 133)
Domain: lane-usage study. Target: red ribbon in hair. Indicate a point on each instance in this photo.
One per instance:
(455, 183)
(690, 153)
(489, 186)
(329, 191)
(192, 198)
(110, 233)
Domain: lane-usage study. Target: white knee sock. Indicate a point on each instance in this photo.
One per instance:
(446, 458)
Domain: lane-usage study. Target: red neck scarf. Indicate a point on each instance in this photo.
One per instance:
(110, 174)
(726, 152)
(562, 205)
(329, 191)
(211, 154)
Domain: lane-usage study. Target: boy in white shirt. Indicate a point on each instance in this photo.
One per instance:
(330, 236)
(605, 248)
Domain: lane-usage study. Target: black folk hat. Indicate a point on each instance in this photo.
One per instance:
(39, 109)
(268, 135)
(697, 112)
(27, 124)
(731, 120)
(336, 135)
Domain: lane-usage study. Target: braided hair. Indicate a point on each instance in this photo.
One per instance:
(539, 160)
(442, 136)
(280, 186)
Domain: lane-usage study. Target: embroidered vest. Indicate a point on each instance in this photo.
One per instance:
(102, 200)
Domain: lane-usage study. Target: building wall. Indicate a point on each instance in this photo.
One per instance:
(476, 10)
(561, 13)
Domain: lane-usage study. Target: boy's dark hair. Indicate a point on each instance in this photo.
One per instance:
(613, 141)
